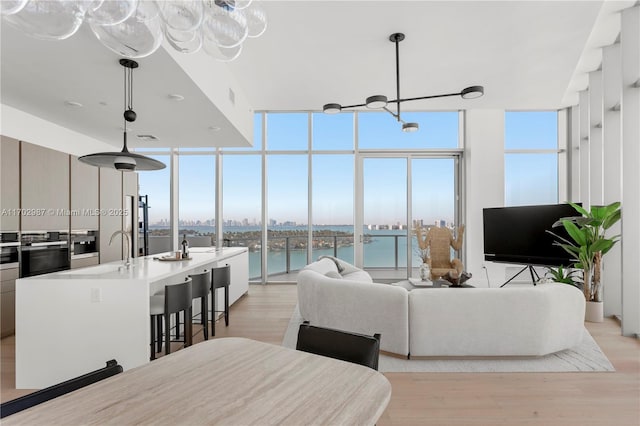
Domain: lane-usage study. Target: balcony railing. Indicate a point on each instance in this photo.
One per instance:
(289, 254)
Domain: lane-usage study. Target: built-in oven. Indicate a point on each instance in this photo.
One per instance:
(9, 250)
(44, 252)
(84, 244)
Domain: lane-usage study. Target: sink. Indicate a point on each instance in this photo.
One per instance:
(96, 270)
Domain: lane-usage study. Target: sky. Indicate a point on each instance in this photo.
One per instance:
(530, 178)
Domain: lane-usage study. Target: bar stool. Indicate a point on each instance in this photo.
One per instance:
(220, 277)
(201, 286)
(176, 298)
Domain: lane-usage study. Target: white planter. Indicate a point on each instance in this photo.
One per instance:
(594, 312)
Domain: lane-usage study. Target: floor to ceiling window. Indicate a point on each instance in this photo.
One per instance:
(242, 198)
(332, 185)
(287, 144)
(242, 207)
(154, 185)
(531, 158)
(197, 198)
(294, 195)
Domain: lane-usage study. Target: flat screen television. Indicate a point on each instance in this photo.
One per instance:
(518, 234)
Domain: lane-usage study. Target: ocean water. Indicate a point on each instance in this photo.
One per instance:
(379, 250)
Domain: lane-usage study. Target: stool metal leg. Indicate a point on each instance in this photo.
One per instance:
(160, 332)
(167, 328)
(204, 317)
(226, 306)
(153, 338)
(213, 312)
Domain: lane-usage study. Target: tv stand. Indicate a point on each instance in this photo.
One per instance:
(534, 275)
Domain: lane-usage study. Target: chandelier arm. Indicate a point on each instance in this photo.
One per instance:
(353, 106)
(425, 97)
(396, 116)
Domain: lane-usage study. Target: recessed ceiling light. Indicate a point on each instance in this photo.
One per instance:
(214, 128)
(73, 104)
(176, 97)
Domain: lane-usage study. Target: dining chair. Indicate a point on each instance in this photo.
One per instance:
(346, 346)
(175, 299)
(43, 395)
(220, 278)
(201, 287)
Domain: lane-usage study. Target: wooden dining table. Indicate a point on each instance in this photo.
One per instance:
(225, 381)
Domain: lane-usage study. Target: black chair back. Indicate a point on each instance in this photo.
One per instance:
(200, 284)
(178, 297)
(357, 348)
(16, 405)
(221, 276)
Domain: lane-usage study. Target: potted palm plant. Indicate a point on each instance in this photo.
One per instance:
(587, 243)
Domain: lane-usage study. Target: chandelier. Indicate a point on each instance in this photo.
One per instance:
(124, 160)
(136, 28)
(381, 101)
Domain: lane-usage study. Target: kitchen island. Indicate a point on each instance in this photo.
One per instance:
(71, 322)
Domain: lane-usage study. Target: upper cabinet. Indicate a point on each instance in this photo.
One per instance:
(45, 188)
(9, 184)
(84, 196)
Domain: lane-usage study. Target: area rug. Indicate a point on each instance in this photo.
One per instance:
(585, 357)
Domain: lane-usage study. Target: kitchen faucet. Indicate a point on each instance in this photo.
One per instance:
(127, 262)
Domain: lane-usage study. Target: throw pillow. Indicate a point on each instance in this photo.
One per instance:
(333, 274)
(336, 261)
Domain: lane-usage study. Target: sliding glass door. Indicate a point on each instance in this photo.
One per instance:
(401, 192)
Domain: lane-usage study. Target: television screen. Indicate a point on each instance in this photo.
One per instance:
(518, 234)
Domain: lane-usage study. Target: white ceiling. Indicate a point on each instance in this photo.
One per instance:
(527, 55)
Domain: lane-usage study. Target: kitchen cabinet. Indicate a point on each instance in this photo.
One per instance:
(44, 178)
(84, 195)
(84, 262)
(8, 301)
(9, 183)
(111, 213)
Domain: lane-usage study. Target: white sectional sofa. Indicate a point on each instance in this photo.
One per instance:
(509, 321)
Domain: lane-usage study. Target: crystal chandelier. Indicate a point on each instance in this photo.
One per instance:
(136, 28)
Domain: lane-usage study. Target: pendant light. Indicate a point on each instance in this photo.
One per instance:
(124, 160)
(381, 102)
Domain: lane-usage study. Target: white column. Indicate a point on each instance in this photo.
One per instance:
(573, 155)
(584, 148)
(630, 52)
(484, 176)
(564, 156)
(595, 137)
(612, 176)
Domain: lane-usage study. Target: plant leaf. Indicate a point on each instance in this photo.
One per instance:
(574, 232)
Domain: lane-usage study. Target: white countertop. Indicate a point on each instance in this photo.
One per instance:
(147, 268)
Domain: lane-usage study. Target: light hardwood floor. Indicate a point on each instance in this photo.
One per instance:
(456, 398)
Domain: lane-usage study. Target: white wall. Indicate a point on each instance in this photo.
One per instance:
(20, 125)
(484, 181)
(630, 45)
(612, 172)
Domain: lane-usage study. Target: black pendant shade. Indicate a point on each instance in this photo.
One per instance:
(381, 102)
(124, 160)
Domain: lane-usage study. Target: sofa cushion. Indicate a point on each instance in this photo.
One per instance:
(358, 275)
(334, 260)
(348, 271)
(333, 274)
(322, 266)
